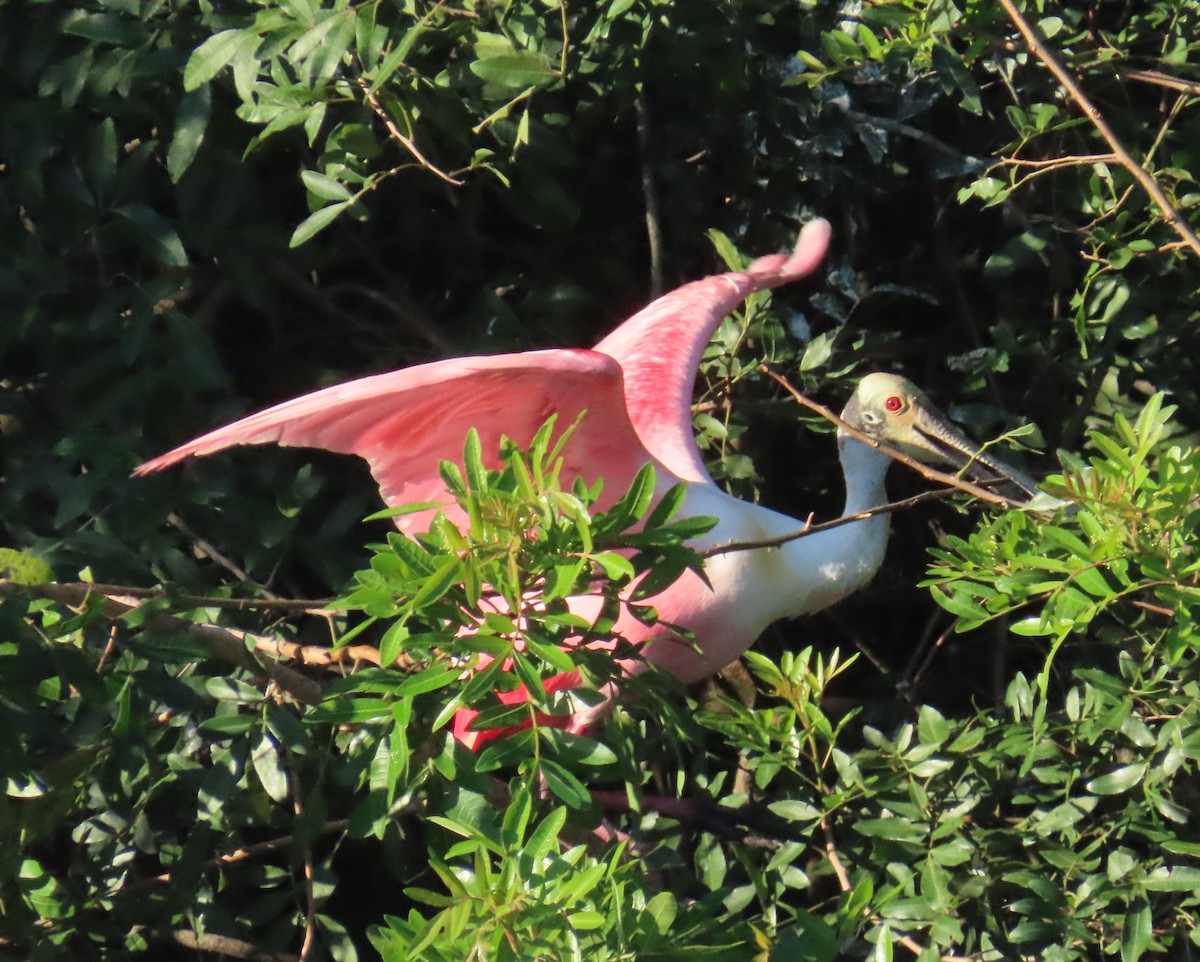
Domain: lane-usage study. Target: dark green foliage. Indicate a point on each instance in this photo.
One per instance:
(208, 207)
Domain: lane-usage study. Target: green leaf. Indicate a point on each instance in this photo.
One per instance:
(563, 784)
(1137, 931)
(229, 724)
(795, 811)
(726, 250)
(476, 473)
(615, 566)
(269, 768)
(1118, 780)
(191, 121)
(1177, 878)
(350, 711)
(156, 234)
(102, 160)
(517, 70)
(328, 56)
(22, 568)
(207, 60)
(316, 222)
(667, 506)
(818, 352)
(325, 187)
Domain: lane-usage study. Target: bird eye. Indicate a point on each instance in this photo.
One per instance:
(893, 404)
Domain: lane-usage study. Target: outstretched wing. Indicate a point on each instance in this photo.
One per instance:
(404, 422)
(659, 348)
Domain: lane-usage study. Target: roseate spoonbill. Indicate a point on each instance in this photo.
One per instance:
(636, 389)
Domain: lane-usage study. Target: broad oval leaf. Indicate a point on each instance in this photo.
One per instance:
(207, 60)
(517, 70)
(1118, 780)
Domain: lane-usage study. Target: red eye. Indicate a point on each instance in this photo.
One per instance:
(893, 404)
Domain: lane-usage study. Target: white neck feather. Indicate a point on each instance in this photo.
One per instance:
(818, 570)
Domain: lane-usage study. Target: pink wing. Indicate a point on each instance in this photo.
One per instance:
(405, 421)
(636, 387)
(659, 348)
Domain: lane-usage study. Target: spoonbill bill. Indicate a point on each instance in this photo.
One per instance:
(635, 390)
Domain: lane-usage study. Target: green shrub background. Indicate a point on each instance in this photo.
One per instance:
(209, 207)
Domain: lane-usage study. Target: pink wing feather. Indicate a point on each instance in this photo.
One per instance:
(404, 422)
(659, 348)
(636, 387)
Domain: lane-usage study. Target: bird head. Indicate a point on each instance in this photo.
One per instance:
(893, 410)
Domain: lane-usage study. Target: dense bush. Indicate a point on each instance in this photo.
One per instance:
(208, 207)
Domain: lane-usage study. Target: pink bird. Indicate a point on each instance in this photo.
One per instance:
(636, 387)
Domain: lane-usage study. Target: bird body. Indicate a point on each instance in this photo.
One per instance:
(634, 393)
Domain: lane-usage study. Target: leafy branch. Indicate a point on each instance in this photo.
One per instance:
(1039, 49)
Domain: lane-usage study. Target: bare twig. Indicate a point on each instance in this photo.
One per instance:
(310, 898)
(243, 854)
(403, 308)
(1159, 79)
(649, 195)
(400, 137)
(907, 130)
(1170, 215)
(810, 529)
(226, 644)
(399, 305)
(1071, 160)
(308, 606)
(209, 551)
(832, 857)
(75, 594)
(1154, 609)
(224, 945)
(925, 658)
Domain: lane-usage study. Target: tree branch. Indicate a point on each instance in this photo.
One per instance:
(809, 528)
(1170, 215)
(649, 195)
(227, 946)
(225, 644)
(399, 136)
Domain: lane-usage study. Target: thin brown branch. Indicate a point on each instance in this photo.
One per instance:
(1170, 215)
(310, 897)
(308, 606)
(1159, 79)
(810, 529)
(649, 195)
(224, 945)
(400, 137)
(1071, 160)
(924, 470)
(832, 857)
(926, 657)
(404, 309)
(75, 594)
(210, 552)
(906, 130)
(243, 854)
(225, 644)
(1154, 609)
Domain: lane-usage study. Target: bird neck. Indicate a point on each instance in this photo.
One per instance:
(865, 469)
(809, 573)
(834, 563)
